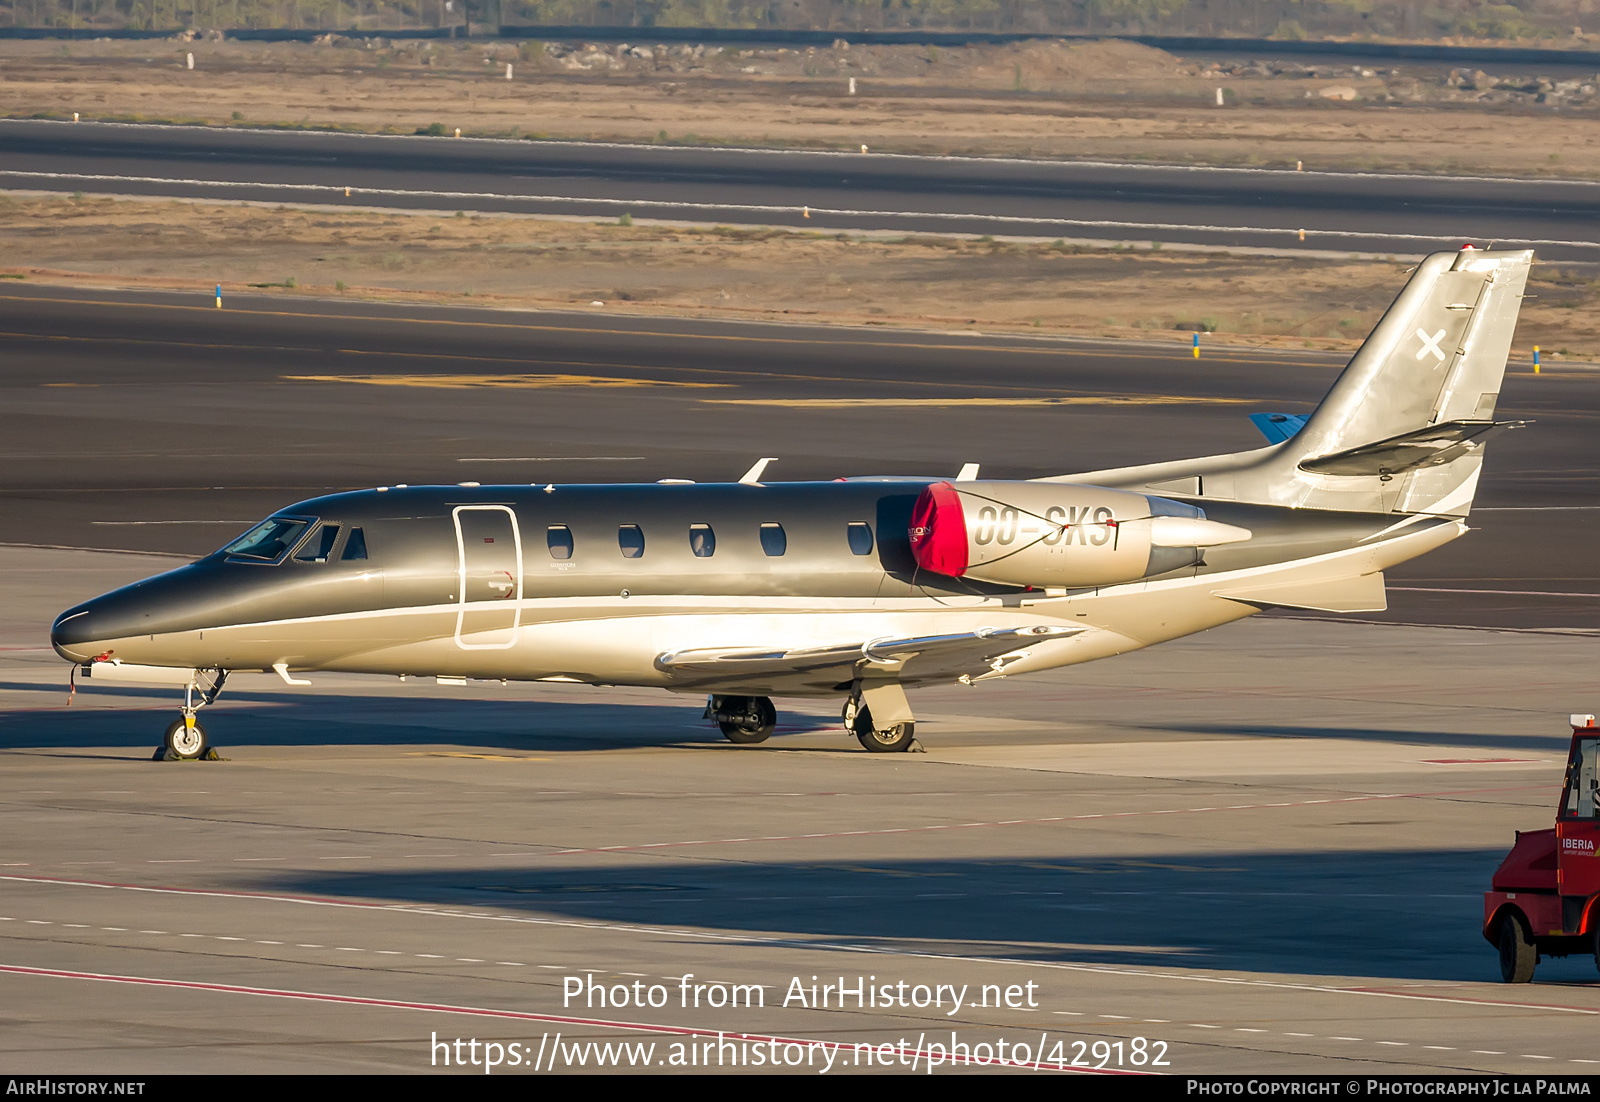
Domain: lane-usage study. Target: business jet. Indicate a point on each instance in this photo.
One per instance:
(855, 589)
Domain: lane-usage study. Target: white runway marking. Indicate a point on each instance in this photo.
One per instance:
(779, 209)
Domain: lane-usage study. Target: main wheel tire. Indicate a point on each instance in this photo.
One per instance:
(1518, 955)
(893, 740)
(1596, 940)
(758, 722)
(186, 743)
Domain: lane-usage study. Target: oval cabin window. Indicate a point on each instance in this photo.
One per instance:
(702, 541)
(773, 541)
(631, 539)
(559, 539)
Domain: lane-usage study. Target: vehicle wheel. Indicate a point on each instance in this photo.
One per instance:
(186, 743)
(889, 741)
(1517, 954)
(750, 719)
(1597, 945)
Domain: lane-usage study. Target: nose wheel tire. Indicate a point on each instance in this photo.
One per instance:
(1518, 955)
(185, 741)
(746, 720)
(896, 739)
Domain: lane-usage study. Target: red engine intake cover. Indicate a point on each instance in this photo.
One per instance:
(939, 531)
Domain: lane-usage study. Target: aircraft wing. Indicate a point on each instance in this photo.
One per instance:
(917, 658)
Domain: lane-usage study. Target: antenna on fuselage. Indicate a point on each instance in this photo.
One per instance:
(969, 473)
(752, 477)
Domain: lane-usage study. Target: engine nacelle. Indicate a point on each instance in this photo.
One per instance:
(1057, 534)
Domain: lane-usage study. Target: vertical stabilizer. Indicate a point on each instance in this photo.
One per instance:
(1403, 428)
(1437, 355)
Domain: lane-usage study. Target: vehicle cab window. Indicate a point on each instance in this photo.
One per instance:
(269, 541)
(1583, 781)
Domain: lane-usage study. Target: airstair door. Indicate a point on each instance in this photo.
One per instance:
(489, 563)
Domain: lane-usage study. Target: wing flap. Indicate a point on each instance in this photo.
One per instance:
(917, 658)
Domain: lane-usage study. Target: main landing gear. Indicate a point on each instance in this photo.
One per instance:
(745, 720)
(185, 739)
(858, 721)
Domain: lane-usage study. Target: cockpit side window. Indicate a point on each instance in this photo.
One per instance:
(319, 546)
(269, 541)
(355, 548)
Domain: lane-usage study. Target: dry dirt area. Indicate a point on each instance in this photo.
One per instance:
(1094, 100)
(923, 282)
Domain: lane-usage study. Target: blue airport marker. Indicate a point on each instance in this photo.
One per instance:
(219, 296)
(1196, 344)
(1536, 359)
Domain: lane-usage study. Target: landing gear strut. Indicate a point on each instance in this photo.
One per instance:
(745, 720)
(858, 721)
(185, 739)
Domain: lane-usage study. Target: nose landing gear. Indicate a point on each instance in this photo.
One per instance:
(185, 739)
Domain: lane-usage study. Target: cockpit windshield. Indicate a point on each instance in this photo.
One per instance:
(268, 541)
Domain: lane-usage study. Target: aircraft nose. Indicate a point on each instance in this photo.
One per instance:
(75, 631)
(176, 601)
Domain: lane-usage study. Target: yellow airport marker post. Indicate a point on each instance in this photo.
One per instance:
(1196, 343)
(1536, 359)
(219, 296)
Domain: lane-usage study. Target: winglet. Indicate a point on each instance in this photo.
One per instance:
(1278, 427)
(752, 477)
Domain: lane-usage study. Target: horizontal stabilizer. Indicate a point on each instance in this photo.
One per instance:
(1362, 593)
(1278, 427)
(928, 657)
(1433, 446)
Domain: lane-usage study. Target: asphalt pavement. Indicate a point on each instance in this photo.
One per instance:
(1232, 207)
(1260, 849)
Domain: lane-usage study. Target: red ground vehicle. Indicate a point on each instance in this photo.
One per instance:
(1545, 899)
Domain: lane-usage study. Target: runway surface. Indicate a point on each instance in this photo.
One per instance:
(1258, 850)
(158, 423)
(817, 190)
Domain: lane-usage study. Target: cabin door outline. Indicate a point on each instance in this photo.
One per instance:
(488, 577)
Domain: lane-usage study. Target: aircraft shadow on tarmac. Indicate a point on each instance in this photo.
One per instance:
(1556, 744)
(584, 723)
(335, 720)
(1395, 914)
